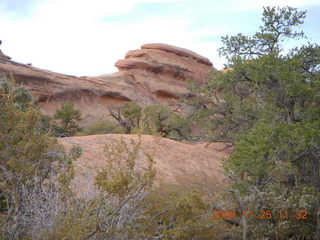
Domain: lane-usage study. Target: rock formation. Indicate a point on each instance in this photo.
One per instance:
(163, 70)
(175, 162)
(3, 56)
(156, 73)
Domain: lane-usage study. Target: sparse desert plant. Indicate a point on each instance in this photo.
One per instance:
(179, 212)
(66, 119)
(123, 188)
(153, 119)
(131, 111)
(160, 119)
(111, 212)
(100, 127)
(128, 116)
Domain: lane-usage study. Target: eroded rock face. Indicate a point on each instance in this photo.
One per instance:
(3, 56)
(175, 162)
(169, 68)
(161, 71)
(156, 73)
(178, 51)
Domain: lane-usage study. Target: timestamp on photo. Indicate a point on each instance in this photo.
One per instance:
(299, 214)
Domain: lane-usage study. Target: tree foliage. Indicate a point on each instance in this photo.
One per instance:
(180, 212)
(128, 116)
(152, 119)
(30, 160)
(66, 118)
(278, 26)
(159, 119)
(267, 105)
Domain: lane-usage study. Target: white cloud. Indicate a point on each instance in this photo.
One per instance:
(64, 39)
(67, 35)
(89, 10)
(245, 5)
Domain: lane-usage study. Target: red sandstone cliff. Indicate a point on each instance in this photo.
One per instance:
(156, 73)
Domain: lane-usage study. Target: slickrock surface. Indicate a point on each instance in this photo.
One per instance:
(175, 162)
(156, 73)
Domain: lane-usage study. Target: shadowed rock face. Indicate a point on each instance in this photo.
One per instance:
(175, 162)
(156, 73)
(3, 56)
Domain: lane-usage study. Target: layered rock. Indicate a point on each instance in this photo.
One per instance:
(156, 73)
(169, 61)
(175, 162)
(163, 70)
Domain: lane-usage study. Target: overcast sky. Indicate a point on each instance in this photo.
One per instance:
(86, 37)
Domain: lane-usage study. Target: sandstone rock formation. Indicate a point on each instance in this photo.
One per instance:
(163, 70)
(175, 162)
(156, 73)
(3, 56)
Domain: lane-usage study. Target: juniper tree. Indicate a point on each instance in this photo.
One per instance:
(66, 120)
(160, 119)
(268, 107)
(30, 161)
(128, 116)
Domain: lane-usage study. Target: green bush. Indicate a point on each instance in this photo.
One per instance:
(153, 119)
(33, 167)
(66, 118)
(101, 127)
(159, 119)
(179, 212)
(131, 112)
(128, 116)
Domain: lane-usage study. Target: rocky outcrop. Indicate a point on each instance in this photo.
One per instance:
(175, 162)
(3, 56)
(178, 51)
(169, 61)
(156, 73)
(163, 70)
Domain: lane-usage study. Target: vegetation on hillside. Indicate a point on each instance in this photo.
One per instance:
(35, 172)
(265, 107)
(152, 119)
(100, 127)
(66, 119)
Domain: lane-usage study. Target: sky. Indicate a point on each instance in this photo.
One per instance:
(86, 37)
